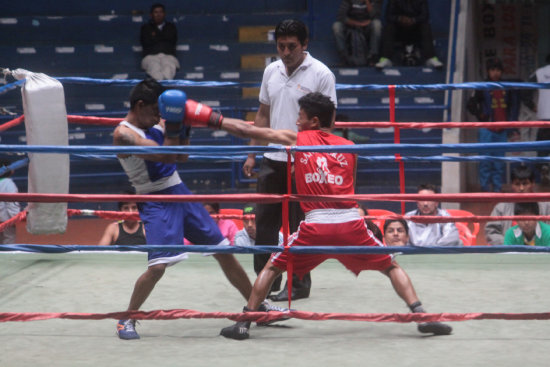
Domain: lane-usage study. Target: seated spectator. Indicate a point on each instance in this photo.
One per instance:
(8, 209)
(528, 232)
(247, 235)
(158, 40)
(357, 31)
(523, 181)
(396, 232)
(227, 227)
(124, 232)
(409, 22)
(542, 108)
(431, 234)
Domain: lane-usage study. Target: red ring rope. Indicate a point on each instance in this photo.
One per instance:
(271, 316)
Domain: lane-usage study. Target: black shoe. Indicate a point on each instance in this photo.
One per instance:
(267, 307)
(297, 293)
(238, 331)
(435, 328)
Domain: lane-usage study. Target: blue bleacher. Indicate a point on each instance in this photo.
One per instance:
(173, 7)
(96, 42)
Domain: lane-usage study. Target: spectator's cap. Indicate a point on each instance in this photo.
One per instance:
(249, 209)
(494, 64)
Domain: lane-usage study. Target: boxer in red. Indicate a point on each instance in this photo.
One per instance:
(326, 223)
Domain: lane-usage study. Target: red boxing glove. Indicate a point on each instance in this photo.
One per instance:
(198, 114)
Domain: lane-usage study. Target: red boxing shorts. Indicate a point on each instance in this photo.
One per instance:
(353, 233)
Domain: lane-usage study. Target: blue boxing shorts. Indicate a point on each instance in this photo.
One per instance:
(168, 223)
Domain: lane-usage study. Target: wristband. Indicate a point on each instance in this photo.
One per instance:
(215, 120)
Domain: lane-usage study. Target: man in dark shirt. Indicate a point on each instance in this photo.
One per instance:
(408, 21)
(358, 30)
(158, 39)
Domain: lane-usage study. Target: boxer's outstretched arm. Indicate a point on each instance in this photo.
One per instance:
(243, 130)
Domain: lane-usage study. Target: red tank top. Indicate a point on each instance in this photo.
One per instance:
(324, 173)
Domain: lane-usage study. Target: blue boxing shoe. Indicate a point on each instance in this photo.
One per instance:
(126, 329)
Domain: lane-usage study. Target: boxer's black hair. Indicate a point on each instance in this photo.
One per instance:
(147, 91)
(318, 105)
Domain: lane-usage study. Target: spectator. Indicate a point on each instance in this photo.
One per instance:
(494, 105)
(8, 209)
(528, 232)
(158, 40)
(357, 31)
(431, 234)
(542, 75)
(124, 232)
(227, 227)
(409, 22)
(247, 235)
(284, 81)
(523, 181)
(396, 232)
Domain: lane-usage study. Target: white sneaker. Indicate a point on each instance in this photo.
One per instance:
(384, 62)
(434, 63)
(267, 307)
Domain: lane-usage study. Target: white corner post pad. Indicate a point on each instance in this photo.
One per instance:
(45, 124)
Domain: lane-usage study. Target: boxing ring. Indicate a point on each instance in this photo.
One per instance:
(69, 285)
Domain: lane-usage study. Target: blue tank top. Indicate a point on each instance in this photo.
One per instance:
(149, 176)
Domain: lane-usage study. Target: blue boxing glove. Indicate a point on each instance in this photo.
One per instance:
(172, 110)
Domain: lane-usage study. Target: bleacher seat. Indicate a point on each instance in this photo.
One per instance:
(467, 230)
(234, 211)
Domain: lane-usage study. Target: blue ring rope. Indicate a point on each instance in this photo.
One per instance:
(475, 158)
(15, 165)
(374, 158)
(245, 149)
(6, 88)
(372, 87)
(407, 250)
(443, 87)
(132, 82)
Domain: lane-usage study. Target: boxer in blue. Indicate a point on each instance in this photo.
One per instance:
(166, 223)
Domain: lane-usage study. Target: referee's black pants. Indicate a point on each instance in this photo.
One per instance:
(272, 179)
